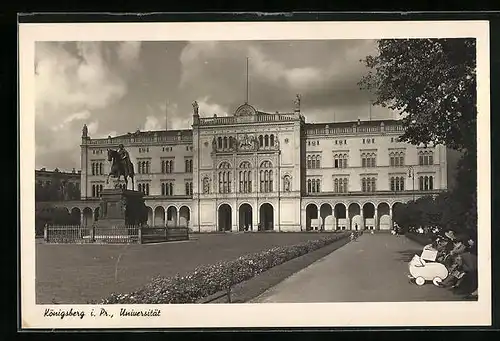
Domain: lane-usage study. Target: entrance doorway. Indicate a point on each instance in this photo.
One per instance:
(266, 217)
(225, 215)
(245, 218)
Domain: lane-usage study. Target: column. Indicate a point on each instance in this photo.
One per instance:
(375, 217)
(82, 217)
(178, 223)
(335, 222)
(319, 218)
(234, 219)
(255, 216)
(390, 218)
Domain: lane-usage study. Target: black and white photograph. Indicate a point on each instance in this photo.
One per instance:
(278, 174)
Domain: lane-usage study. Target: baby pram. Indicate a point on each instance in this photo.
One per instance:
(425, 268)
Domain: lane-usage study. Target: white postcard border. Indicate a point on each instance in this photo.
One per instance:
(255, 315)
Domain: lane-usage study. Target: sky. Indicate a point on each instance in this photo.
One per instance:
(119, 87)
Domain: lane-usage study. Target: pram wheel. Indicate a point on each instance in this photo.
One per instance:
(420, 281)
(437, 281)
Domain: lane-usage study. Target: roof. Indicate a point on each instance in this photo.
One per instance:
(151, 133)
(351, 123)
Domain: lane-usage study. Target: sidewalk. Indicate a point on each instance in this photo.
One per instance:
(372, 269)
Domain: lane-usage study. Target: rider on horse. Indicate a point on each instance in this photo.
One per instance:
(124, 158)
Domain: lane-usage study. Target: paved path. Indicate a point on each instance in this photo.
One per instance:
(372, 269)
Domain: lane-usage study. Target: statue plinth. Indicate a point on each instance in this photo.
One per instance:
(121, 207)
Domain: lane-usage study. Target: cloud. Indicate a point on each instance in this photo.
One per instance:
(76, 82)
(325, 73)
(152, 123)
(209, 108)
(129, 52)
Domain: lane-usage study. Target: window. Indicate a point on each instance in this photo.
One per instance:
(313, 161)
(313, 185)
(397, 183)
(224, 177)
(144, 188)
(167, 188)
(143, 167)
(425, 158)
(97, 168)
(188, 188)
(144, 150)
(368, 184)
(426, 183)
(167, 149)
(340, 160)
(167, 166)
(245, 178)
(397, 158)
(96, 190)
(368, 159)
(340, 185)
(266, 177)
(188, 165)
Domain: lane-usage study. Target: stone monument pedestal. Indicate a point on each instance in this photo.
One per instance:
(120, 207)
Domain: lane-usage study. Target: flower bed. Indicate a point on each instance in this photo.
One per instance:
(210, 279)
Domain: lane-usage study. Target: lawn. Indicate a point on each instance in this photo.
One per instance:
(75, 274)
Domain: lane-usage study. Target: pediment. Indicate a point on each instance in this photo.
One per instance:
(245, 110)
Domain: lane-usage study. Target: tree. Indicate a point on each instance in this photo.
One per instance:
(432, 83)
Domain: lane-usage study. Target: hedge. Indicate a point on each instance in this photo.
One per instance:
(207, 280)
(422, 239)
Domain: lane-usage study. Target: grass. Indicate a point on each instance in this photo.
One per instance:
(77, 274)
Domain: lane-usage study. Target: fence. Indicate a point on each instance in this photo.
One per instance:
(75, 234)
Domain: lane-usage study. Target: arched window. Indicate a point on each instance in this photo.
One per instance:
(272, 140)
(421, 183)
(266, 175)
(336, 186)
(171, 189)
(426, 181)
(309, 187)
(373, 184)
(431, 183)
(309, 163)
(317, 186)
(261, 141)
(219, 142)
(224, 177)
(225, 142)
(245, 177)
(318, 158)
(266, 140)
(344, 190)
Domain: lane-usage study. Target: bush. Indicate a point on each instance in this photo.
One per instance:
(209, 279)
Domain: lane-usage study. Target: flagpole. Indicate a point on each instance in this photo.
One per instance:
(247, 90)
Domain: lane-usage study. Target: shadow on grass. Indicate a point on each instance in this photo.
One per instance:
(407, 255)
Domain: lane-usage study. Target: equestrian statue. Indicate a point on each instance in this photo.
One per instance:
(121, 165)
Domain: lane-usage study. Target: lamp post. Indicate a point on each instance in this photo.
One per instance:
(411, 174)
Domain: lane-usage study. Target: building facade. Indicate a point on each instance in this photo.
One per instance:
(268, 171)
(57, 185)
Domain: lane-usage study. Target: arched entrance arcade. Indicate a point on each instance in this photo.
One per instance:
(266, 217)
(245, 217)
(225, 218)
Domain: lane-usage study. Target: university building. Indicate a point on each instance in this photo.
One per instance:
(269, 171)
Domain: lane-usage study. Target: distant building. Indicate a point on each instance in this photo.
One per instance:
(269, 170)
(57, 185)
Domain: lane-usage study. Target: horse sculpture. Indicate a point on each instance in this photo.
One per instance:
(120, 167)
